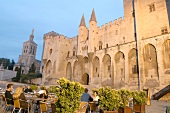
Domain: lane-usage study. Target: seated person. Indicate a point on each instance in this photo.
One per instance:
(18, 94)
(96, 98)
(86, 97)
(28, 89)
(8, 94)
(43, 91)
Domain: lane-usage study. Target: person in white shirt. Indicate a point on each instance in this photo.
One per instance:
(96, 97)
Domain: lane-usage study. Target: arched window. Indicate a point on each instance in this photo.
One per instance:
(51, 51)
(100, 45)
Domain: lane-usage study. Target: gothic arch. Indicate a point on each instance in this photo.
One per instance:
(166, 54)
(49, 68)
(85, 79)
(106, 66)
(150, 61)
(77, 71)
(69, 71)
(132, 64)
(120, 67)
(85, 65)
(96, 67)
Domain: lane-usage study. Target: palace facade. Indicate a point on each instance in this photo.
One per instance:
(106, 55)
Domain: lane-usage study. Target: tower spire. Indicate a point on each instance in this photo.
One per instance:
(93, 17)
(82, 23)
(32, 35)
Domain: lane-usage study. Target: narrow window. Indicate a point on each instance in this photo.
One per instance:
(116, 32)
(96, 69)
(68, 54)
(74, 53)
(108, 68)
(51, 51)
(152, 7)
(164, 30)
(106, 45)
(134, 69)
(122, 71)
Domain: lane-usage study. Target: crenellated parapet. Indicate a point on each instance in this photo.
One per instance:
(111, 24)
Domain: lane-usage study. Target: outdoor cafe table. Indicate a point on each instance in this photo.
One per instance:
(33, 99)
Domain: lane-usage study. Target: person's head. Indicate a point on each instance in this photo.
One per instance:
(86, 90)
(95, 93)
(28, 87)
(18, 92)
(10, 87)
(23, 86)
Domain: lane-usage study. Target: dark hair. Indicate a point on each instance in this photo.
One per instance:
(96, 92)
(86, 90)
(9, 85)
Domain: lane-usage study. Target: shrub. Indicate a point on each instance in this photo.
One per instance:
(139, 98)
(42, 87)
(110, 100)
(52, 89)
(34, 87)
(125, 96)
(69, 94)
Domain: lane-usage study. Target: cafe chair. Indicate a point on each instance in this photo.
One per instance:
(53, 107)
(17, 106)
(93, 106)
(82, 108)
(6, 104)
(43, 107)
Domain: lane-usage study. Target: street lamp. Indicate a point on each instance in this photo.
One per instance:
(135, 36)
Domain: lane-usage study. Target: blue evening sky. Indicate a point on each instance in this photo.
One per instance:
(19, 17)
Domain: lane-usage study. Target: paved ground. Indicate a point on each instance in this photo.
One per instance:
(156, 107)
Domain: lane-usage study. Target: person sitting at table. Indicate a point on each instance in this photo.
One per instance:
(8, 95)
(44, 92)
(86, 97)
(18, 94)
(28, 89)
(96, 98)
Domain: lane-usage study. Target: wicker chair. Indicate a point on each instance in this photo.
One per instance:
(82, 108)
(93, 106)
(6, 104)
(43, 107)
(53, 107)
(17, 105)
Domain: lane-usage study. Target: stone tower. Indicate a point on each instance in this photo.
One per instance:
(92, 31)
(28, 55)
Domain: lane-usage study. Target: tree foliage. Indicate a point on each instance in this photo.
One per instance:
(69, 94)
(32, 68)
(6, 63)
(18, 76)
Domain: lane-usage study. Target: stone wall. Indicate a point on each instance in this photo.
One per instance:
(7, 74)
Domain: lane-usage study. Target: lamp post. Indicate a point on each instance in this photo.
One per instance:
(136, 40)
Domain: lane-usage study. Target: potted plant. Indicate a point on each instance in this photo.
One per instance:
(125, 97)
(34, 87)
(69, 94)
(110, 100)
(139, 101)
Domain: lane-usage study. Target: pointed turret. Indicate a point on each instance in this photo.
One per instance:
(32, 35)
(93, 17)
(82, 23)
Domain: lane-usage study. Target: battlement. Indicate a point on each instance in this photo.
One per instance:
(111, 24)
